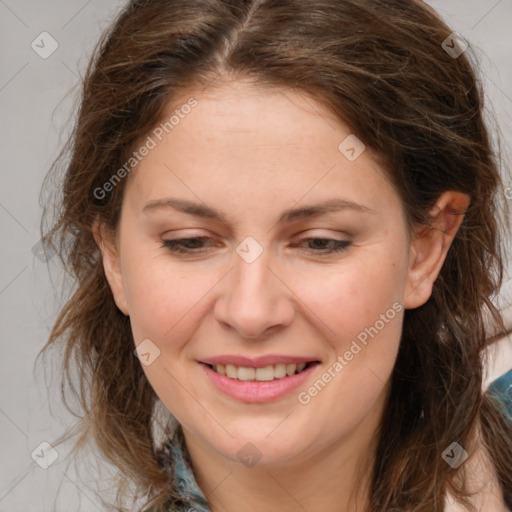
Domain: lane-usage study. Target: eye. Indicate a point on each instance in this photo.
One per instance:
(326, 245)
(186, 245)
(196, 245)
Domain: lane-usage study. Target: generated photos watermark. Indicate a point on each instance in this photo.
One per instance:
(156, 136)
(305, 397)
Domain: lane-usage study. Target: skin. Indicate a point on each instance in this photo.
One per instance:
(251, 153)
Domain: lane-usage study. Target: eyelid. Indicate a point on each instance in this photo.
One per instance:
(186, 232)
(324, 234)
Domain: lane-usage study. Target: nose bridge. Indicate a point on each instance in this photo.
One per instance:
(251, 272)
(251, 278)
(253, 298)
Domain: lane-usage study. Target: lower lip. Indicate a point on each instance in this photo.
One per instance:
(257, 392)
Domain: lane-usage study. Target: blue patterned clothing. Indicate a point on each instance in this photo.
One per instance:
(502, 389)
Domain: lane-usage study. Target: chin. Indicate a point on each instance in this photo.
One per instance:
(250, 447)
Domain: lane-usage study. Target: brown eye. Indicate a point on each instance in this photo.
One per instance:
(326, 245)
(186, 245)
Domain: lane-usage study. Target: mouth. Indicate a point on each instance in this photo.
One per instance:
(261, 374)
(261, 379)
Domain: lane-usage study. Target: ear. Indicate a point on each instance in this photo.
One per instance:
(111, 264)
(430, 245)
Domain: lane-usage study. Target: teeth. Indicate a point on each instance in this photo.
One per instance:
(290, 369)
(279, 371)
(266, 373)
(231, 371)
(246, 373)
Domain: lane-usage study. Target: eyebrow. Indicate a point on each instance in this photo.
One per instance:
(288, 216)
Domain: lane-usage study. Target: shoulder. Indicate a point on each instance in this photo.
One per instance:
(482, 480)
(479, 471)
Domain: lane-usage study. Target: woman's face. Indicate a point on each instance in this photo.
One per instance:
(300, 254)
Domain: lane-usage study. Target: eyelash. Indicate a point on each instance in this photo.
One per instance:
(176, 245)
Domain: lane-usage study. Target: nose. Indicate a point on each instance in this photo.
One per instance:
(254, 300)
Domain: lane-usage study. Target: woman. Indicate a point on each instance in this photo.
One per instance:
(282, 221)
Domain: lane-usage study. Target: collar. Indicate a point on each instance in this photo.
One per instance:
(184, 479)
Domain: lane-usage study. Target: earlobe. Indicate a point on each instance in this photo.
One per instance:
(111, 265)
(430, 246)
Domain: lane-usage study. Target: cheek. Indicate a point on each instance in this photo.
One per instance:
(351, 298)
(362, 304)
(164, 298)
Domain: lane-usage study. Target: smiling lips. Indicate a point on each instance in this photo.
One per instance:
(257, 380)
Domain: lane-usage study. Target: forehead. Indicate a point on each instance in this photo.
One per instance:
(257, 144)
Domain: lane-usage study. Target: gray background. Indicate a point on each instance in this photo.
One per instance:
(36, 96)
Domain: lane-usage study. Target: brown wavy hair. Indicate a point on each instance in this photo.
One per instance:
(380, 67)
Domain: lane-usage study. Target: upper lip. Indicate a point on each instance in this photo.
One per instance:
(256, 362)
